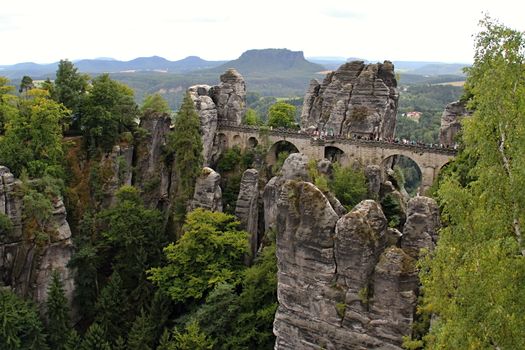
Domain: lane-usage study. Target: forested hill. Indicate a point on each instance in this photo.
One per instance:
(108, 65)
(271, 62)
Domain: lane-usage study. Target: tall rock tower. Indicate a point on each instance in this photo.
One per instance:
(356, 100)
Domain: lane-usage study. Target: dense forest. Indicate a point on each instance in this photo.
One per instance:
(152, 274)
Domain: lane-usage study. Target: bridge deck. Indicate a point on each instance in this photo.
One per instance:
(330, 140)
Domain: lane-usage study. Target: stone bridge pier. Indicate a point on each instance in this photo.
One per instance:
(346, 151)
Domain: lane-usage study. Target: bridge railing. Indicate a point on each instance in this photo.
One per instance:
(328, 140)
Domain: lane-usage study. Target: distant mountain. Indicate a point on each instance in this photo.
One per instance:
(440, 69)
(273, 62)
(109, 65)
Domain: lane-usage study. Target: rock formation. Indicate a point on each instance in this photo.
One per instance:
(451, 122)
(343, 282)
(207, 110)
(421, 226)
(356, 100)
(373, 179)
(224, 102)
(115, 171)
(246, 209)
(27, 263)
(152, 175)
(230, 97)
(208, 193)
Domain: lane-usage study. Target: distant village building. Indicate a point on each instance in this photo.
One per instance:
(414, 115)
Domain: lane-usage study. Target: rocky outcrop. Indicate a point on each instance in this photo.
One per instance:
(373, 180)
(224, 102)
(451, 122)
(295, 167)
(356, 100)
(421, 227)
(27, 258)
(208, 193)
(207, 110)
(230, 97)
(343, 282)
(115, 171)
(246, 209)
(152, 175)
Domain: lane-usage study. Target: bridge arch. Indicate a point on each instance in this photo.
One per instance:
(411, 172)
(334, 154)
(252, 142)
(278, 147)
(222, 141)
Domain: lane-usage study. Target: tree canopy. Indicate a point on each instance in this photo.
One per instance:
(474, 280)
(282, 115)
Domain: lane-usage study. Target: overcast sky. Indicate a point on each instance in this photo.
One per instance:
(441, 30)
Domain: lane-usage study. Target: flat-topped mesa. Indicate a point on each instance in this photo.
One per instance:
(223, 102)
(357, 100)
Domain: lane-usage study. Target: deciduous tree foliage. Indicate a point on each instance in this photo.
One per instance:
(282, 115)
(474, 281)
(210, 252)
(109, 111)
(33, 136)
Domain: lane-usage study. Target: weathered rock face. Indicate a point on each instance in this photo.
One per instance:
(223, 102)
(343, 283)
(421, 227)
(207, 110)
(152, 175)
(295, 167)
(451, 122)
(208, 193)
(26, 265)
(230, 97)
(246, 209)
(115, 171)
(355, 100)
(373, 179)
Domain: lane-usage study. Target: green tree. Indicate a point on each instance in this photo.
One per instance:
(110, 308)
(135, 237)
(21, 327)
(141, 334)
(33, 136)
(282, 115)
(57, 314)
(26, 84)
(210, 251)
(155, 103)
(94, 339)
(185, 143)
(109, 111)
(348, 185)
(191, 339)
(70, 87)
(474, 279)
(252, 118)
(8, 104)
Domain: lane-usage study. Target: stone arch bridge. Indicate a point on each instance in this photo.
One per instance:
(430, 160)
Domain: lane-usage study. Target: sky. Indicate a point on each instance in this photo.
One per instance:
(46, 31)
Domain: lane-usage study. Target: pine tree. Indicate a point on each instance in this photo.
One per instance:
(57, 312)
(110, 308)
(73, 341)
(186, 144)
(120, 344)
(94, 339)
(140, 336)
(165, 340)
